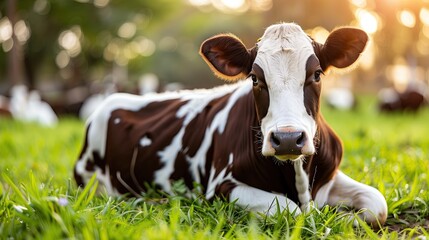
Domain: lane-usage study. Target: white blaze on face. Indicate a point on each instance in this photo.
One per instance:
(282, 54)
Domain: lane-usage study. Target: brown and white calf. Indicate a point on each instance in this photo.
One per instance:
(257, 141)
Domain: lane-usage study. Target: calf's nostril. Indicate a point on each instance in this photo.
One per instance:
(300, 142)
(275, 139)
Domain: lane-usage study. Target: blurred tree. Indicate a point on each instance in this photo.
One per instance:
(54, 26)
(14, 60)
(74, 42)
(397, 39)
(311, 13)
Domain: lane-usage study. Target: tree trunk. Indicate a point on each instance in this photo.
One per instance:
(15, 57)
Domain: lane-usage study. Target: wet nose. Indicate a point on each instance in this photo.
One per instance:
(288, 143)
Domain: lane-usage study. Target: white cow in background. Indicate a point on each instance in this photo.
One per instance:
(148, 83)
(94, 101)
(340, 98)
(28, 107)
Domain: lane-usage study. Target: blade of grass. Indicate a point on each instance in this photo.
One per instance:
(91, 185)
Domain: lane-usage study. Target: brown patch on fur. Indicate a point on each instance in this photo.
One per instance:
(260, 92)
(329, 151)
(156, 122)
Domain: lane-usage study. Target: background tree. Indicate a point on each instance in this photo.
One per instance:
(69, 43)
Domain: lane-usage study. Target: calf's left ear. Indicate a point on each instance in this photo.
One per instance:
(227, 56)
(342, 47)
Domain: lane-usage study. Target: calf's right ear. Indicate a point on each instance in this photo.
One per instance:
(227, 57)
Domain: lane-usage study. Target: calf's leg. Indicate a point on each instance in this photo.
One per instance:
(261, 201)
(343, 190)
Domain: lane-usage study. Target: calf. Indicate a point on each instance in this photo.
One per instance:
(256, 141)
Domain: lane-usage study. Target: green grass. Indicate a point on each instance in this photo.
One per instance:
(39, 200)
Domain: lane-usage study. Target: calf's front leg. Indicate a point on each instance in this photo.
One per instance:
(261, 201)
(343, 190)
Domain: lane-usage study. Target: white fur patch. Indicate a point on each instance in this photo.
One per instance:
(168, 157)
(322, 195)
(301, 184)
(218, 124)
(221, 177)
(282, 54)
(145, 141)
(104, 180)
(80, 168)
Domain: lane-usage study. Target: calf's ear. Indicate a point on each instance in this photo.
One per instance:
(342, 47)
(227, 56)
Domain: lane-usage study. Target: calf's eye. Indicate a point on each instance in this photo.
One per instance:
(255, 80)
(317, 74)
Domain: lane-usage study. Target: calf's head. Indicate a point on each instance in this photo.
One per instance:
(285, 68)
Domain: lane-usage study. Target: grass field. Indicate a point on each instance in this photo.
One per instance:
(39, 200)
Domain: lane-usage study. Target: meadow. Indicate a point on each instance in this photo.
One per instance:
(39, 199)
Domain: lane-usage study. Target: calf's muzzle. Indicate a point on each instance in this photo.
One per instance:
(288, 143)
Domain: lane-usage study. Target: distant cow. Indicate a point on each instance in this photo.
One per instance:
(341, 98)
(390, 100)
(253, 141)
(28, 107)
